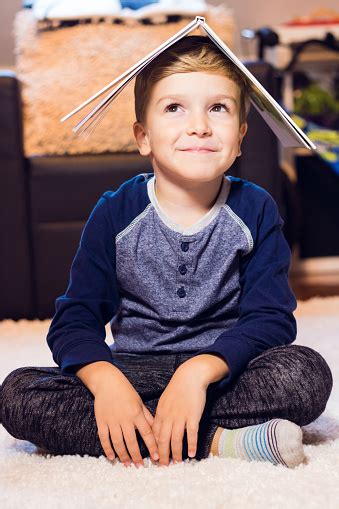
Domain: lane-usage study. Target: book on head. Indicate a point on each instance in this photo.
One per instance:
(289, 134)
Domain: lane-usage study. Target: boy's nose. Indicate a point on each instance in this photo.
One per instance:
(198, 125)
(200, 130)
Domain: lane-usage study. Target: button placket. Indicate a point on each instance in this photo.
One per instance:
(182, 269)
(184, 261)
(184, 246)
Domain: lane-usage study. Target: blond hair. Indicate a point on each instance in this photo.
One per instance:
(193, 53)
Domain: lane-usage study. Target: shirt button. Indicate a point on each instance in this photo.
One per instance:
(184, 246)
(181, 292)
(182, 269)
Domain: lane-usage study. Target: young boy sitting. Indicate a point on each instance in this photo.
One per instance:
(191, 268)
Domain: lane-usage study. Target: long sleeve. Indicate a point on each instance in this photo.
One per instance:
(77, 332)
(266, 303)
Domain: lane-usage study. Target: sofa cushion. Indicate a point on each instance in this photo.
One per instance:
(66, 188)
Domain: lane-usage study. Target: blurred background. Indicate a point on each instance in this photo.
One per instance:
(246, 14)
(54, 54)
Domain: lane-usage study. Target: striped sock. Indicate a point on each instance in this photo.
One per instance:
(278, 441)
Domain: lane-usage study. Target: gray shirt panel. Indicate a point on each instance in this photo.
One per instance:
(179, 286)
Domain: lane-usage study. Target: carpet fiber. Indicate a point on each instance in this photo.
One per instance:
(29, 479)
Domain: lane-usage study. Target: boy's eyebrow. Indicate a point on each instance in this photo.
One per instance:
(180, 96)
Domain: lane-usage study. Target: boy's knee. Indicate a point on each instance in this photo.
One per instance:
(315, 366)
(299, 362)
(306, 363)
(312, 380)
(303, 372)
(12, 386)
(15, 377)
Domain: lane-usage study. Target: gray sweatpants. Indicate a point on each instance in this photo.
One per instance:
(56, 411)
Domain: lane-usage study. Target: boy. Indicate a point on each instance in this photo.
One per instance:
(193, 267)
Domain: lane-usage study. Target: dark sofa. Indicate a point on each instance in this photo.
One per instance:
(45, 201)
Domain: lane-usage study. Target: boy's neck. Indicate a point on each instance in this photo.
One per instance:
(187, 198)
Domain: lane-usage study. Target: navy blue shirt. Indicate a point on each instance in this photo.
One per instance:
(217, 287)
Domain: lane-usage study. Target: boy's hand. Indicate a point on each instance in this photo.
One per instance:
(119, 411)
(180, 406)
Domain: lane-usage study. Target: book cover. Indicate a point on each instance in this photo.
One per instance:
(289, 134)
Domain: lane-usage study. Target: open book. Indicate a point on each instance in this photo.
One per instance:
(289, 134)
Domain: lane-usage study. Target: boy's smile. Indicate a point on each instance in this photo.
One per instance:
(191, 134)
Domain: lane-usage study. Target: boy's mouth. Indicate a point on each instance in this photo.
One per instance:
(198, 149)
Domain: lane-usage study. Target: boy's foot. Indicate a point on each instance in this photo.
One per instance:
(277, 441)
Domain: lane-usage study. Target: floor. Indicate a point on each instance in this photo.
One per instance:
(313, 277)
(29, 479)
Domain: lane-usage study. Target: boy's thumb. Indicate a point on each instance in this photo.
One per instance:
(148, 415)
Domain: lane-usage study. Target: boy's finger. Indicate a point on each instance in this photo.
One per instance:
(148, 415)
(132, 443)
(103, 433)
(118, 443)
(176, 440)
(146, 432)
(192, 438)
(164, 442)
(156, 429)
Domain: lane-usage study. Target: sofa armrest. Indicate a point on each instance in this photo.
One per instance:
(15, 255)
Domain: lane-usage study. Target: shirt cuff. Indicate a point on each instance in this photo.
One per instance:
(84, 353)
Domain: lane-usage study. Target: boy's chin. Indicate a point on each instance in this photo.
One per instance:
(199, 176)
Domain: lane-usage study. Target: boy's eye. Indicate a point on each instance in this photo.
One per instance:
(171, 106)
(174, 105)
(223, 105)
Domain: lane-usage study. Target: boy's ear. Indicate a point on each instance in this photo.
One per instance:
(141, 138)
(243, 130)
(242, 133)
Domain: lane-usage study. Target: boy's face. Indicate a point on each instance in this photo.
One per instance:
(192, 126)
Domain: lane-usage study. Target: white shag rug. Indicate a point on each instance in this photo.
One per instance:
(29, 479)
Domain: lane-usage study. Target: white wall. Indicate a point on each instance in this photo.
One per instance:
(8, 8)
(247, 14)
